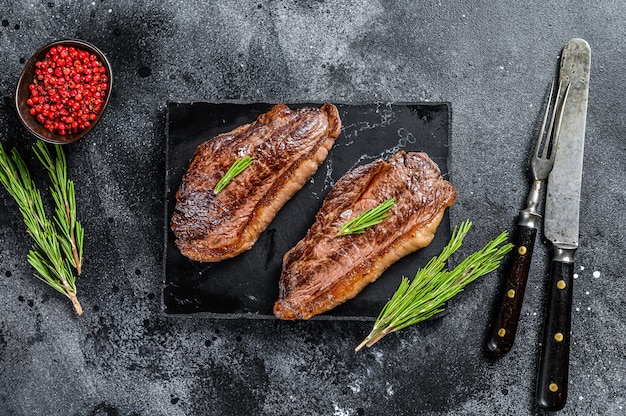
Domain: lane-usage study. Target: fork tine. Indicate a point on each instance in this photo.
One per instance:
(547, 146)
(549, 135)
(560, 115)
(542, 130)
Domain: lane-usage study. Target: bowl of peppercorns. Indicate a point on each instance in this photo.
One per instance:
(64, 90)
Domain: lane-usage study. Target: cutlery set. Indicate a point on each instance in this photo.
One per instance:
(558, 158)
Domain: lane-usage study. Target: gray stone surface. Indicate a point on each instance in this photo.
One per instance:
(493, 61)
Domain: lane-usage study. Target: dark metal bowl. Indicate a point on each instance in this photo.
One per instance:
(22, 93)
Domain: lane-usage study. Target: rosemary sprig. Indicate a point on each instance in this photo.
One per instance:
(65, 204)
(434, 285)
(50, 260)
(367, 219)
(235, 169)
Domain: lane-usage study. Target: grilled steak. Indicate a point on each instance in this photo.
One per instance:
(286, 147)
(324, 270)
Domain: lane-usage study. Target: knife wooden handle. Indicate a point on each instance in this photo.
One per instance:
(505, 322)
(554, 362)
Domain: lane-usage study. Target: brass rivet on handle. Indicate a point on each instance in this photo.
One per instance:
(511, 293)
(553, 387)
(558, 337)
(561, 284)
(501, 332)
(522, 250)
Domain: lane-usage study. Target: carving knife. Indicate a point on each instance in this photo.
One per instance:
(561, 221)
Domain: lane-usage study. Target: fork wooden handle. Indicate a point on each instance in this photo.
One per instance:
(505, 323)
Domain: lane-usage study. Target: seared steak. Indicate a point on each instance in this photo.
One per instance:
(286, 147)
(324, 270)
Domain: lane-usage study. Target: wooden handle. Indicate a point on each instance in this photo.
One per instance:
(505, 323)
(554, 362)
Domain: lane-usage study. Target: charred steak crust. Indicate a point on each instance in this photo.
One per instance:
(323, 270)
(287, 146)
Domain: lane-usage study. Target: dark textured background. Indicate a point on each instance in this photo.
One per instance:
(492, 61)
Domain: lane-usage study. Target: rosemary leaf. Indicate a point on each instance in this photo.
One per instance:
(367, 219)
(49, 255)
(65, 203)
(434, 285)
(235, 169)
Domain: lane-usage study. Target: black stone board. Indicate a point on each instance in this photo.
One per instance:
(247, 286)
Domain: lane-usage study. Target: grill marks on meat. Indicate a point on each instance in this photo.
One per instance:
(287, 146)
(323, 270)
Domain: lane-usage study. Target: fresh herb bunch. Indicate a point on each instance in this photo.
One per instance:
(434, 285)
(58, 243)
(65, 204)
(235, 169)
(368, 218)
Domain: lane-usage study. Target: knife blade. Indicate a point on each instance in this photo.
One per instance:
(561, 227)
